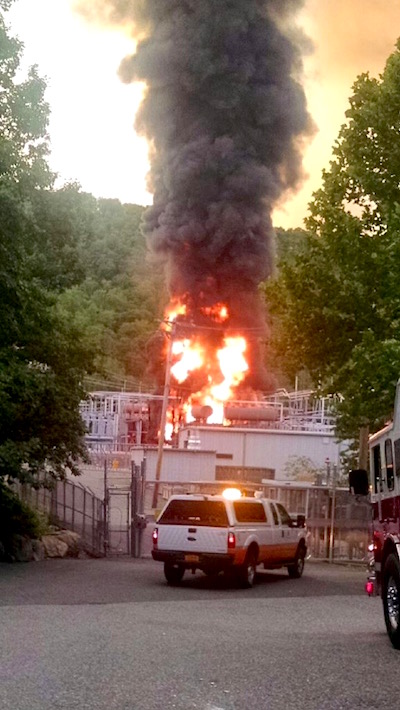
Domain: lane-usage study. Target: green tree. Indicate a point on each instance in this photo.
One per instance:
(287, 243)
(63, 221)
(336, 301)
(41, 361)
(118, 304)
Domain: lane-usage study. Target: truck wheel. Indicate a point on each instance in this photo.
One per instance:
(391, 598)
(247, 571)
(173, 573)
(296, 570)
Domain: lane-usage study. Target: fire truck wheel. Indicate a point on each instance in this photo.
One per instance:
(391, 598)
(173, 573)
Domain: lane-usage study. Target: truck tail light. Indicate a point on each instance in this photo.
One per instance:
(231, 541)
(369, 587)
(155, 537)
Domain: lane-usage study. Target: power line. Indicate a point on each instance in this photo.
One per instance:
(217, 327)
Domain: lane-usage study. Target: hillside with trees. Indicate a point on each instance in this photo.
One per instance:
(117, 296)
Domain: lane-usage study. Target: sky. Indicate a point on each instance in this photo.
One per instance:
(92, 112)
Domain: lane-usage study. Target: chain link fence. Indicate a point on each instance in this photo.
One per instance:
(338, 525)
(69, 505)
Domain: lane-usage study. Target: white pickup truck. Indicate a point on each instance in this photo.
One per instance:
(215, 534)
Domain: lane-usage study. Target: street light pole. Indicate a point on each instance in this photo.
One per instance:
(163, 421)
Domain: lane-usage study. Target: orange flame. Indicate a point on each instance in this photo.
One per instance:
(191, 358)
(218, 312)
(222, 366)
(175, 309)
(233, 367)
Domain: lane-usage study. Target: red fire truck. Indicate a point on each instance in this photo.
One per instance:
(383, 488)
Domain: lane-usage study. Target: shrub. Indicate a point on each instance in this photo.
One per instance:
(17, 518)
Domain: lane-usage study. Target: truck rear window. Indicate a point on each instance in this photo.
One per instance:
(195, 512)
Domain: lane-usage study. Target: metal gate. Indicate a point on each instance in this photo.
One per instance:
(124, 513)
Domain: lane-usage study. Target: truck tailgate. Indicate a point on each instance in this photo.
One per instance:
(192, 539)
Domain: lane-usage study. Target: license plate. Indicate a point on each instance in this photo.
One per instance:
(192, 558)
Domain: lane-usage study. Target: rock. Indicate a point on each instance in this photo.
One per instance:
(62, 543)
(37, 550)
(54, 547)
(21, 548)
(72, 539)
(58, 543)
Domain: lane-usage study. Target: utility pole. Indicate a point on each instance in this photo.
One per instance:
(163, 421)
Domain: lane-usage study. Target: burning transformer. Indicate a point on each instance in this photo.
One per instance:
(207, 362)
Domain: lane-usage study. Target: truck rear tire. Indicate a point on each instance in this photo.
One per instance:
(296, 570)
(391, 598)
(173, 573)
(247, 571)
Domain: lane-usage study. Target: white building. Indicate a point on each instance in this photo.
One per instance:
(261, 453)
(177, 464)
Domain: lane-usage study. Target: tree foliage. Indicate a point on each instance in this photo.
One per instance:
(17, 518)
(77, 295)
(336, 301)
(302, 468)
(117, 300)
(41, 362)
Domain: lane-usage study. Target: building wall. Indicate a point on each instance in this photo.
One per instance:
(177, 464)
(263, 448)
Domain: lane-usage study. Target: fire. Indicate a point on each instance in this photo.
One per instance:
(233, 367)
(191, 358)
(175, 309)
(206, 352)
(218, 312)
(232, 370)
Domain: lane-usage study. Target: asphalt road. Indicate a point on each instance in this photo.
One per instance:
(111, 635)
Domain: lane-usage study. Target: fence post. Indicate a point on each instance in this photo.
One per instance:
(105, 508)
(142, 483)
(141, 499)
(326, 526)
(84, 511)
(94, 522)
(65, 496)
(331, 536)
(134, 504)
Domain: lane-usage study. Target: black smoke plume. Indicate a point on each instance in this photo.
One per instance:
(224, 114)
